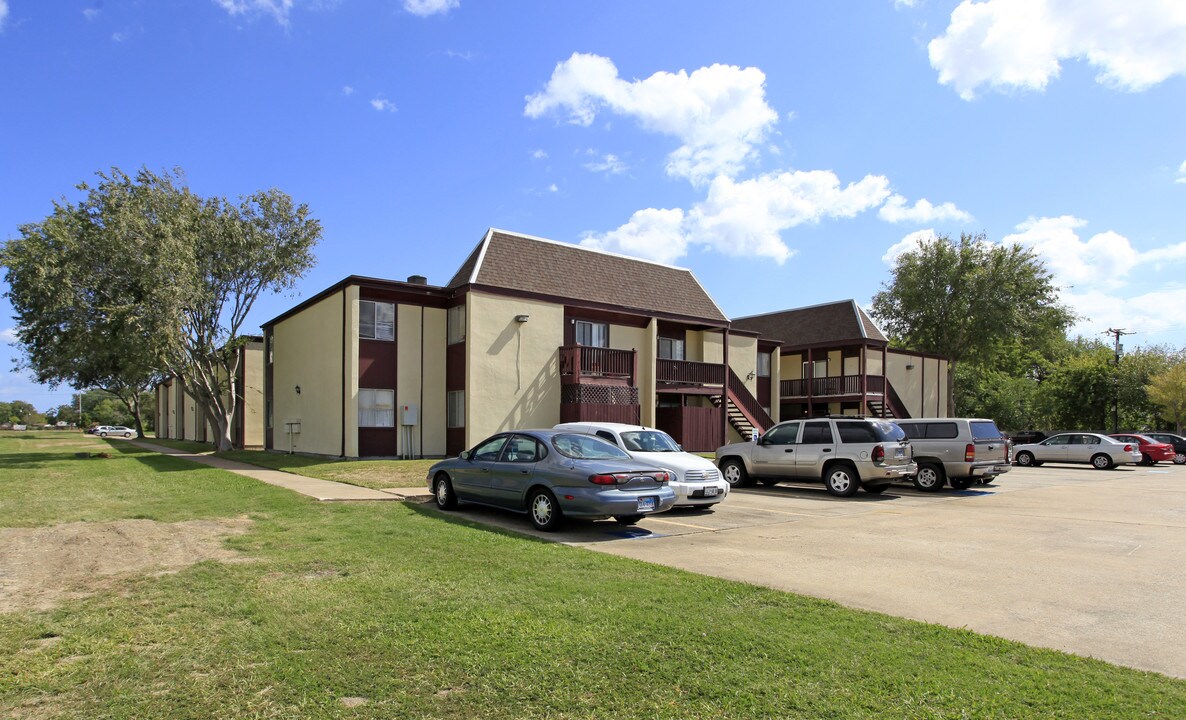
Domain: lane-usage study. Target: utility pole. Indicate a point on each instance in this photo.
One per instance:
(1116, 333)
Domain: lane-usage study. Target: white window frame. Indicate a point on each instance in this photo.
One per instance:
(376, 407)
(763, 371)
(455, 409)
(381, 328)
(676, 349)
(456, 329)
(593, 330)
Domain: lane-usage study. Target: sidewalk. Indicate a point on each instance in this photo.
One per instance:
(326, 490)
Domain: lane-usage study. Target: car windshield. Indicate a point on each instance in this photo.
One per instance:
(649, 441)
(586, 447)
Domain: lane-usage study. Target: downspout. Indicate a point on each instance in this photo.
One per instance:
(421, 453)
(725, 392)
(810, 382)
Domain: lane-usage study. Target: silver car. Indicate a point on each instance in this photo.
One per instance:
(551, 475)
(1101, 451)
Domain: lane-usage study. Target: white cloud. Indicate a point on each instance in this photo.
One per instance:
(1020, 43)
(424, 8)
(1181, 173)
(347, 90)
(119, 36)
(88, 13)
(1104, 260)
(278, 9)
(3, 12)
(899, 4)
(907, 244)
(8, 335)
(653, 234)
(609, 164)
(539, 154)
(718, 113)
(383, 105)
(744, 218)
(895, 211)
(553, 188)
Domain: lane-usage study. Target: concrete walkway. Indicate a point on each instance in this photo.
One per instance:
(326, 490)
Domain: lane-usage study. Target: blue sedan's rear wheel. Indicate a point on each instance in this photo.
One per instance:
(442, 491)
(544, 511)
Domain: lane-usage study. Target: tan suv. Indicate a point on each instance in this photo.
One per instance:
(844, 453)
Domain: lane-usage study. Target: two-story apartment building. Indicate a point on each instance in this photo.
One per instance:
(835, 360)
(178, 416)
(527, 333)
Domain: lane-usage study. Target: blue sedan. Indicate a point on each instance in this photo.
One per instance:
(551, 475)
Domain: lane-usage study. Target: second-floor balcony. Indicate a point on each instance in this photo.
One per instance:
(581, 364)
(833, 386)
(689, 373)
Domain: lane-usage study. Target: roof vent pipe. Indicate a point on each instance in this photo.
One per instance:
(417, 280)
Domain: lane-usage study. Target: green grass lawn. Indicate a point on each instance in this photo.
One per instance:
(374, 474)
(386, 610)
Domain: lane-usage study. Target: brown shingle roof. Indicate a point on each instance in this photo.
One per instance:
(837, 322)
(532, 265)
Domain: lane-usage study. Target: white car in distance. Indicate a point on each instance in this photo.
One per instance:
(697, 481)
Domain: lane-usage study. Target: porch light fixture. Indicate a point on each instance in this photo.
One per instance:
(298, 389)
(751, 375)
(522, 318)
(909, 365)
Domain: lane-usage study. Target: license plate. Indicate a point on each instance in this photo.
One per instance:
(646, 503)
(900, 453)
(711, 491)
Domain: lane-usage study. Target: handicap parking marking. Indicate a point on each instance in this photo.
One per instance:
(687, 525)
(634, 534)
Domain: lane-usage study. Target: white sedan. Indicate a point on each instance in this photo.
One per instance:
(1101, 451)
(697, 482)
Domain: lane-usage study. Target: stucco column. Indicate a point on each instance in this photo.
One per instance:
(647, 355)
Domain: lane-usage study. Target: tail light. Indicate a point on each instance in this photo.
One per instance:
(969, 453)
(1128, 448)
(660, 477)
(878, 453)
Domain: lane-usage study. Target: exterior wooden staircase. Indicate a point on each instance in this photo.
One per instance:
(745, 413)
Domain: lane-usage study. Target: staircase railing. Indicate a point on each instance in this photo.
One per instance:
(897, 408)
(749, 406)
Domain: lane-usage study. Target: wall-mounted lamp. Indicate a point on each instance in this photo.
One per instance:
(522, 318)
(751, 375)
(298, 389)
(910, 365)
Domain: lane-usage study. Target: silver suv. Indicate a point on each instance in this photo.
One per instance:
(845, 453)
(960, 451)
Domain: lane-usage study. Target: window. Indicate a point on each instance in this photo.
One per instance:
(942, 431)
(856, 433)
(671, 349)
(455, 412)
(376, 320)
(521, 450)
(456, 324)
(490, 449)
(763, 364)
(817, 368)
(376, 408)
(592, 334)
(782, 434)
(816, 433)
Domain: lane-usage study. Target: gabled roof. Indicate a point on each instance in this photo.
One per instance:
(524, 264)
(827, 324)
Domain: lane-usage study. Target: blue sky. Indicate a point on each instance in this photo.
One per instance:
(784, 151)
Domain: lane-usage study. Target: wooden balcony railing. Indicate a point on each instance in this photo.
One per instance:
(579, 363)
(686, 372)
(832, 386)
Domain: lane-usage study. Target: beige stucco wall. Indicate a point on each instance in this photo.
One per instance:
(923, 389)
(713, 347)
(432, 412)
(694, 345)
(512, 368)
(743, 359)
(308, 353)
(775, 387)
(873, 362)
(835, 363)
(350, 362)
(253, 395)
(645, 341)
(420, 381)
(791, 366)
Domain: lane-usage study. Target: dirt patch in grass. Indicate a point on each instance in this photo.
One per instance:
(43, 567)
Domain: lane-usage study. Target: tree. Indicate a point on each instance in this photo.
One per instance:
(969, 300)
(1078, 392)
(1168, 390)
(168, 276)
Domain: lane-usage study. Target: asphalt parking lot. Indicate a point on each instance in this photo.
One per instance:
(1062, 556)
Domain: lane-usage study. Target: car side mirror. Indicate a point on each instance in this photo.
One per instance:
(464, 455)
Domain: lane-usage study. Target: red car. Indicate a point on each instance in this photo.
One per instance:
(1151, 450)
